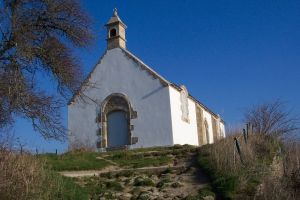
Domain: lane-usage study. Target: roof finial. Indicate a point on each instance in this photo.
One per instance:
(115, 12)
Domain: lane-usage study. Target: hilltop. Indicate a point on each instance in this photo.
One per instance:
(152, 173)
(235, 167)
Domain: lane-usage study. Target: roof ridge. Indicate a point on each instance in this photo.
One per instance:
(86, 79)
(147, 67)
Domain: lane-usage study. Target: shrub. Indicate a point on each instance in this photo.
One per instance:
(207, 191)
(126, 173)
(143, 181)
(113, 185)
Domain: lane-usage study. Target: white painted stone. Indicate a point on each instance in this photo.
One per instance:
(165, 116)
(159, 121)
(117, 73)
(183, 132)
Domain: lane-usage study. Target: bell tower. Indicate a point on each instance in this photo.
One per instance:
(115, 32)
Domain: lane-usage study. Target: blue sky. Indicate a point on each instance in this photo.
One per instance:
(229, 54)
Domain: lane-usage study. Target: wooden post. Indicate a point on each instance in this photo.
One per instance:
(238, 149)
(245, 135)
(234, 156)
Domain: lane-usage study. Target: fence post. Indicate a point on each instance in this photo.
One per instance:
(55, 151)
(245, 135)
(238, 149)
(234, 156)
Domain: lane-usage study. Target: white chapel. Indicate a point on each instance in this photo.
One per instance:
(124, 103)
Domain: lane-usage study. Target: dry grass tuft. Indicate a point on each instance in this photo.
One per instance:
(284, 184)
(233, 174)
(20, 175)
(25, 177)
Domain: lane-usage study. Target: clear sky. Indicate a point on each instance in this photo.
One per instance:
(229, 54)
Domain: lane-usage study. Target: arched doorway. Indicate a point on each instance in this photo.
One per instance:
(115, 118)
(117, 129)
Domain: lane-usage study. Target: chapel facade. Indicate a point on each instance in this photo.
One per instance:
(124, 103)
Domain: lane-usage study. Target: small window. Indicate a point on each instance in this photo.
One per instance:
(113, 32)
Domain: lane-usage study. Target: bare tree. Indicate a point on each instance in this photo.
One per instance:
(37, 36)
(272, 118)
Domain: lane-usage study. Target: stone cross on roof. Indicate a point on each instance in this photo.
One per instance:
(115, 18)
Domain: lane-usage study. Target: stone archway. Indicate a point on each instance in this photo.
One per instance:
(116, 110)
(206, 130)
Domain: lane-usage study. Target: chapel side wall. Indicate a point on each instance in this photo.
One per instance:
(216, 126)
(183, 132)
(118, 73)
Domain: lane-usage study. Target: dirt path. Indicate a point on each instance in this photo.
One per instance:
(179, 180)
(114, 170)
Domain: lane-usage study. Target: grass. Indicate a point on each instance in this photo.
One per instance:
(136, 158)
(26, 177)
(133, 160)
(105, 185)
(74, 161)
(68, 190)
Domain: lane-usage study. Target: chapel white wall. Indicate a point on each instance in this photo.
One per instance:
(82, 124)
(117, 73)
(183, 132)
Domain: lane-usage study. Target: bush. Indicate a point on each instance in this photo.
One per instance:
(113, 185)
(207, 191)
(143, 181)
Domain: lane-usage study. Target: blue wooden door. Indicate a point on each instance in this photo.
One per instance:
(117, 129)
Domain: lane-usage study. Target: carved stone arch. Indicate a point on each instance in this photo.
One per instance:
(116, 102)
(206, 131)
(200, 125)
(214, 128)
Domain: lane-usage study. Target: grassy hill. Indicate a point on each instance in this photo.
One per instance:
(219, 171)
(151, 173)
